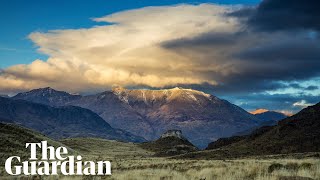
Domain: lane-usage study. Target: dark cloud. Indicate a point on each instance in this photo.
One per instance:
(206, 39)
(296, 86)
(311, 88)
(286, 15)
(285, 59)
(253, 61)
(245, 12)
(293, 49)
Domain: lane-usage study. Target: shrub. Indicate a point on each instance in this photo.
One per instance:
(274, 166)
(292, 166)
(305, 165)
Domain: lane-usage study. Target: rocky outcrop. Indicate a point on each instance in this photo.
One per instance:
(173, 133)
(170, 143)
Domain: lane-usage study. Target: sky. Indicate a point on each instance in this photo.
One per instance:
(256, 54)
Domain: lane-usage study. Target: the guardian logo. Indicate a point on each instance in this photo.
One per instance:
(57, 162)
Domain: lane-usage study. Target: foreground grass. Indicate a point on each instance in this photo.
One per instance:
(247, 169)
(216, 169)
(130, 162)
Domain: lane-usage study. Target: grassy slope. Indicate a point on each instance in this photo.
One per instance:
(13, 141)
(14, 138)
(106, 149)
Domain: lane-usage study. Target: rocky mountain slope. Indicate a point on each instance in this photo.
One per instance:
(148, 113)
(60, 122)
(170, 143)
(296, 134)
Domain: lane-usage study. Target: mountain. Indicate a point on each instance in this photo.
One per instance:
(106, 104)
(259, 111)
(170, 143)
(265, 115)
(296, 134)
(60, 122)
(47, 96)
(148, 113)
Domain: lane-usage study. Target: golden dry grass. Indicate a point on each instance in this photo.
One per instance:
(130, 162)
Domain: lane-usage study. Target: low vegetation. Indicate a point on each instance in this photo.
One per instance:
(247, 169)
(131, 162)
(217, 169)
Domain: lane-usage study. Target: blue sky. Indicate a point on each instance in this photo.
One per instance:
(262, 54)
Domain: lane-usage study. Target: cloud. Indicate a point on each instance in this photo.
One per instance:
(217, 48)
(275, 102)
(311, 88)
(274, 15)
(124, 52)
(252, 61)
(302, 103)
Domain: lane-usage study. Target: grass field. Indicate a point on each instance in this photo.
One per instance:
(130, 162)
(216, 169)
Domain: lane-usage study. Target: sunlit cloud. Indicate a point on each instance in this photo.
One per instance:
(126, 52)
(302, 103)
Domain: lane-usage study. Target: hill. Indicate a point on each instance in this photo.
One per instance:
(170, 143)
(14, 138)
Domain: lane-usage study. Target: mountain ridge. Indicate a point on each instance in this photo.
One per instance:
(149, 113)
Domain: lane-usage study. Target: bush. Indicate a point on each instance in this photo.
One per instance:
(274, 166)
(292, 166)
(305, 165)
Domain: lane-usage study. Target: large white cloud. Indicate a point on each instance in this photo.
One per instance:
(192, 45)
(127, 51)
